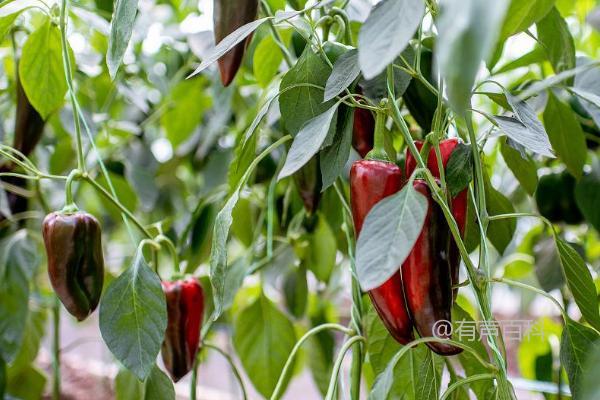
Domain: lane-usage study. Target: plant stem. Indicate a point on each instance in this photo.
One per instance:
(56, 349)
(278, 392)
(235, 370)
(473, 378)
(338, 364)
(276, 36)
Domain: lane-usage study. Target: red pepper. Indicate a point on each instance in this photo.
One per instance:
(426, 278)
(185, 309)
(229, 15)
(363, 134)
(458, 203)
(370, 182)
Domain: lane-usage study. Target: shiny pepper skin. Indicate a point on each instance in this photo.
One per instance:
(426, 278)
(363, 134)
(185, 309)
(75, 263)
(370, 182)
(229, 15)
(458, 203)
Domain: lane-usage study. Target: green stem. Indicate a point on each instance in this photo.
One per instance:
(118, 204)
(473, 378)
(56, 349)
(278, 392)
(69, 201)
(378, 152)
(276, 36)
(235, 370)
(194, 380)
(171, 247)
(338, 364)
(68, 77)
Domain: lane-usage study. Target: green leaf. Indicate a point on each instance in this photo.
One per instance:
(531, 134)
(158, 386)
(459, 171)
(133, 317)
(389, 233)
(228, 43)
(554, 36)
(2, 377)
(10, 10)
(41, 69)
(298, 101)
(345, 71)
(121, 28)
(334, 157)
(308, 142)
(522, 14)
(268, 57)
(127, 386)
(580, 282)
(535, 56)
(33, 389)
(386, 32)
(587, 195)
(588, 83)
(140, 171)
(566, 135)
(548, 269)
(177, 120)
(578, 341)
(20, 259)
(295, 290)
(35, 329)
(589, 384)
(263, 338)
(523, 168)
(321, 250)
(468, 31)
(499, 232)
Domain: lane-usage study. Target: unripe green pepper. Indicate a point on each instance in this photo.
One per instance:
(75, 262)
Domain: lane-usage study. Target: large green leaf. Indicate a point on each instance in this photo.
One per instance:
(522, 14)
(499, 232)
(580, 282)
(389, 233)
(263, 338)
(589, 384)
(386, 32)
(268, 57)
(468, 30)
(554, 36)
(41, 69)
(322, 249)
(133, 317)
(334, 157)
(299, 102)
(121, 28)
(20, 259)
(566, 135)
(158, 386)
(578, 341)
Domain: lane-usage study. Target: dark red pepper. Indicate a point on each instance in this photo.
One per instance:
(426, 278)
(185, 309)
(75, 263)
(309, 182)
(370, 182)
(229, 15)
(363, 134)
(458, 203)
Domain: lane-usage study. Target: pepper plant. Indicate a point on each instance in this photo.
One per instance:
(350, 181)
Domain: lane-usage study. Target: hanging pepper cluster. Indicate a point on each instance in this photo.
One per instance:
(419, 295)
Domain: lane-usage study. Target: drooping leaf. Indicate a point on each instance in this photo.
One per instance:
(459, 171)
(308, 142)
(523, 168)
(589, 385)
(334, 157)
(121, 28)
(158, 386)
(522, 14)
(566, 135)
(133, 317)
(41, 69)
(555, 37)
(580, 282)
(263, 339)
(19, 261)
(578, 341)
(345, 71)
(468, 31)
(388, 235)
(386, 32)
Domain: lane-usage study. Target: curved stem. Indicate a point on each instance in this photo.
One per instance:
(171, 247)
(118, 204)
(338, 364)
(235, 370)
(277, 393)
(69, 202)
(473, 378)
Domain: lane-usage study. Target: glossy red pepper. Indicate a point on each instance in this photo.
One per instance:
(185, 309)
(370, 182)
(458, 203)
(426, 278)
(363, 133)
(228, 16)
